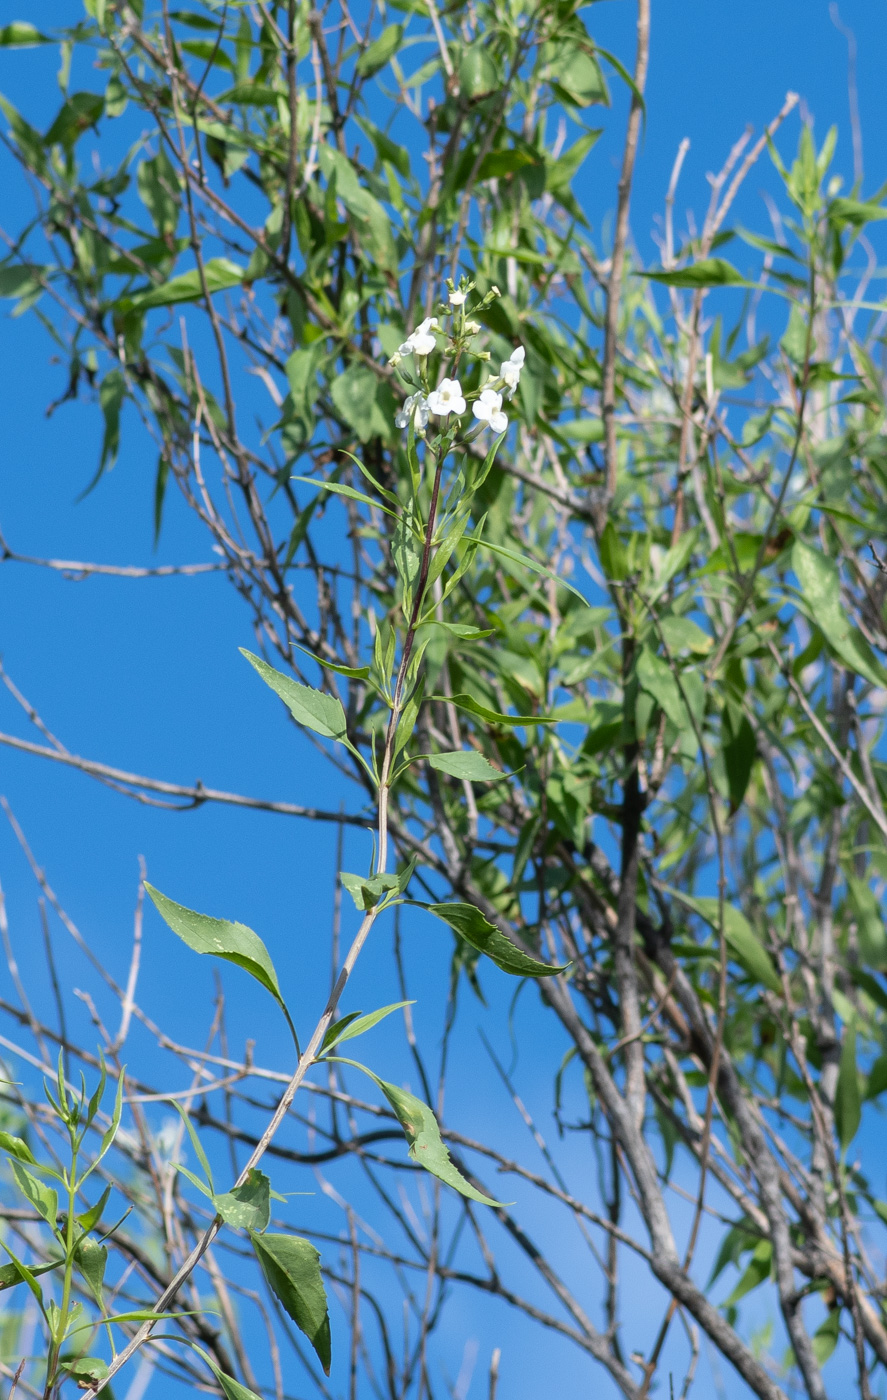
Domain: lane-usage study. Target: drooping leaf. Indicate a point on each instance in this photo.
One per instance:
(821, 587)
(656, 678)
(848, 1108)
(739, 749)
(235, 943)
(246, 1207)
(112, 393)
(11, 1275)
(825, 1338)
(91, 1259)
(470, 924)
(756, 1271)
(292, 1269)
(426, 1145)
(322, 713)
(464, 764)
(741, 938)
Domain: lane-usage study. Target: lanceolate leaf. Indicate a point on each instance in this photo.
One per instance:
(821, 585)
(848, 1108)
(741, 938)
(470, 924)
(708, 272)
(292, 1269)
(235, 943)
(426, 1145)
(474, 707)
(219, 274)
(322, 713)
(356, 1024)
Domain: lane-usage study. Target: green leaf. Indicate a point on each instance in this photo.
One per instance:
(21, 35)
(740, 750)
(656, 678)
(234, 1390)
(112, 392)
(742, 940)
(378, 53)
(474, 707)
(322, 713)
(825, 1338)
(246, 1207)
(235, 943)
(355, 1024)
(11, 1275)
(708, 272)
(365, 402)
(292, 1269)
(220, 274)
(44, 1200)
(821, 587)
(26, 1275)
(757, 1270)
(91, 1259)
(856, 212)
(426, 1144)
(367, 890)
(158, 187)
(614, 560)
(80, 112)
(526, 562)
(86, 1370)
(470, 924)
(17, 1148)
(464, 763)
(88, 1219)
(848, 1107)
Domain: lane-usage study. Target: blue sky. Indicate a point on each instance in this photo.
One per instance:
(146, 674)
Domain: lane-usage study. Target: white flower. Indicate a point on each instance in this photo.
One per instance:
(488, 409)
(457, 298)
(446, 398)
(510, 371)
(415, 407)
(422, 341)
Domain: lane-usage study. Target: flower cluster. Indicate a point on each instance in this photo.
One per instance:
(448, 397)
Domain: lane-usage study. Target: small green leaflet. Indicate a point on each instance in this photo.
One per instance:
(338, 488)
(756, 1271)
(292, 1270)
(16, 1148)
(220, 274)
(235, 943)
(741, 938)
(708, 272)
(821, 587)
(87, 1371)
(232, 1389)
(355, 1023)
(464, 764)
(474, 707)
(246, 1207)
(368, 890)
(470, 924)
(322, 713)
(848, 1109)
